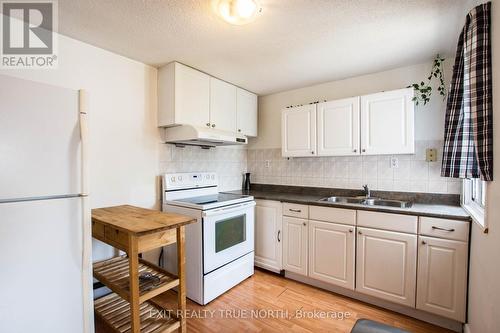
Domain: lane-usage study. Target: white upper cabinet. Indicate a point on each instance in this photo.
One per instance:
(183, 96)
(187, 96)
(268, 235)
(222, 105)
(338, 127)
(298, 131)
(246, 112)
(387, 123)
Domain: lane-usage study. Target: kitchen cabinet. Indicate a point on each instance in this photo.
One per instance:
(331, 253)
(268, 235)
(338, 127)
(222, 105)
(387, 123)
(386, 265)
(376, 124)
(246, 112)
(187, 96)
(442, 277)
(298, 131)
(295, 245)
(183, 96)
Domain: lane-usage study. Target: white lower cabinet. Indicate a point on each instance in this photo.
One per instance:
(386, 265)
(331, 253)
(295, 245)
(442, 277)
(268, 235)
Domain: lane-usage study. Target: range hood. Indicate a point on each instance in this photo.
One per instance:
(203, 137)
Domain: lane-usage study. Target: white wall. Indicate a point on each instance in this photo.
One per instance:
(429, 118)
(122, 120)
(484, 280)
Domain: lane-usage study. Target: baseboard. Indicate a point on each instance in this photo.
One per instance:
(411, 312)
(467, 328)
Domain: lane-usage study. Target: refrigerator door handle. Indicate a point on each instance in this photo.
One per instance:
(88, 321)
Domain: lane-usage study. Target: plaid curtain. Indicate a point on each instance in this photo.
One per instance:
(468, 138)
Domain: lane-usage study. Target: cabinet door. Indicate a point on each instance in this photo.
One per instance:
(331, 253)
(222, 105)
(246, 112)
(338, 127)
(298, 131)
(192, 96)
(442, 277)
(295, 245)
(387, 123)
(268, 235)
(386, 265)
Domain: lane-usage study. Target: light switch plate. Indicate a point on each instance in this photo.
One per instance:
(431, 155)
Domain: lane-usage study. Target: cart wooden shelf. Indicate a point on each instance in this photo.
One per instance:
(136, 230)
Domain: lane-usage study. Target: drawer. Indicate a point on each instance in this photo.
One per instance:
(329, 214)
(116, 236)
(387, 221)
(97, 230)
(295, 210)
(444, 228)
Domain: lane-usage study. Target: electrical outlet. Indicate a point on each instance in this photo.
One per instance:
(267, 164)
(431, 155)
(394, 162)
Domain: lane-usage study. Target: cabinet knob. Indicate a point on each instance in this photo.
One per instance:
(359, 232)
(312, 152)
(355, 151)
(213, 125)
(364, 150)
(208, 124)
(424, 242)
(303, 223)
(350, 230)
(239, 130)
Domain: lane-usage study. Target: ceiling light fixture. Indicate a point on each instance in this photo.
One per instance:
(237, 12)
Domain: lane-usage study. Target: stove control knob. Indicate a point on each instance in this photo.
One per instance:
(208, 176)
(213, 177)
(172, 179)
(180, 178)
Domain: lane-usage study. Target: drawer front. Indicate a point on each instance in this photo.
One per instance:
(295, 210)
(444, 228)
(115, 235)
(386, 221)
(335, 215)
(97, 230)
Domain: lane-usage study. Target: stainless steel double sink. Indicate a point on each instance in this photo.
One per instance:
(368, 201)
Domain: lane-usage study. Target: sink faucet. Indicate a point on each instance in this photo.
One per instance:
(367, 191)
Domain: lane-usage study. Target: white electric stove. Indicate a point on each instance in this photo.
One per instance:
(220, 246)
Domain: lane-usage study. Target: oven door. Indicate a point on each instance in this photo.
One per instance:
(228, 233)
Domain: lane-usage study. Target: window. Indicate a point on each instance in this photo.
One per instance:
(474, 200)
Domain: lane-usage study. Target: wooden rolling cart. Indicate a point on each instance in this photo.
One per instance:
(130, 307)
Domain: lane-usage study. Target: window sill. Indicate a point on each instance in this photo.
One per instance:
(477, 215)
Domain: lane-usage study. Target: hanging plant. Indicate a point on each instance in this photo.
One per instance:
(423, 91)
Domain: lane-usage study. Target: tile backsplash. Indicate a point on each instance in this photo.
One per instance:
(267, 166)
(229, 162)
(413, 173)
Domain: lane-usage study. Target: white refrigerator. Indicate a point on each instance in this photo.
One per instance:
(45, 237)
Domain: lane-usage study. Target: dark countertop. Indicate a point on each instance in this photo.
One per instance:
(439, 209)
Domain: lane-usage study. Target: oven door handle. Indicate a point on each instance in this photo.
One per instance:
(228, 209)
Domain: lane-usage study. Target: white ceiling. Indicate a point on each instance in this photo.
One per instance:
(293, 43)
